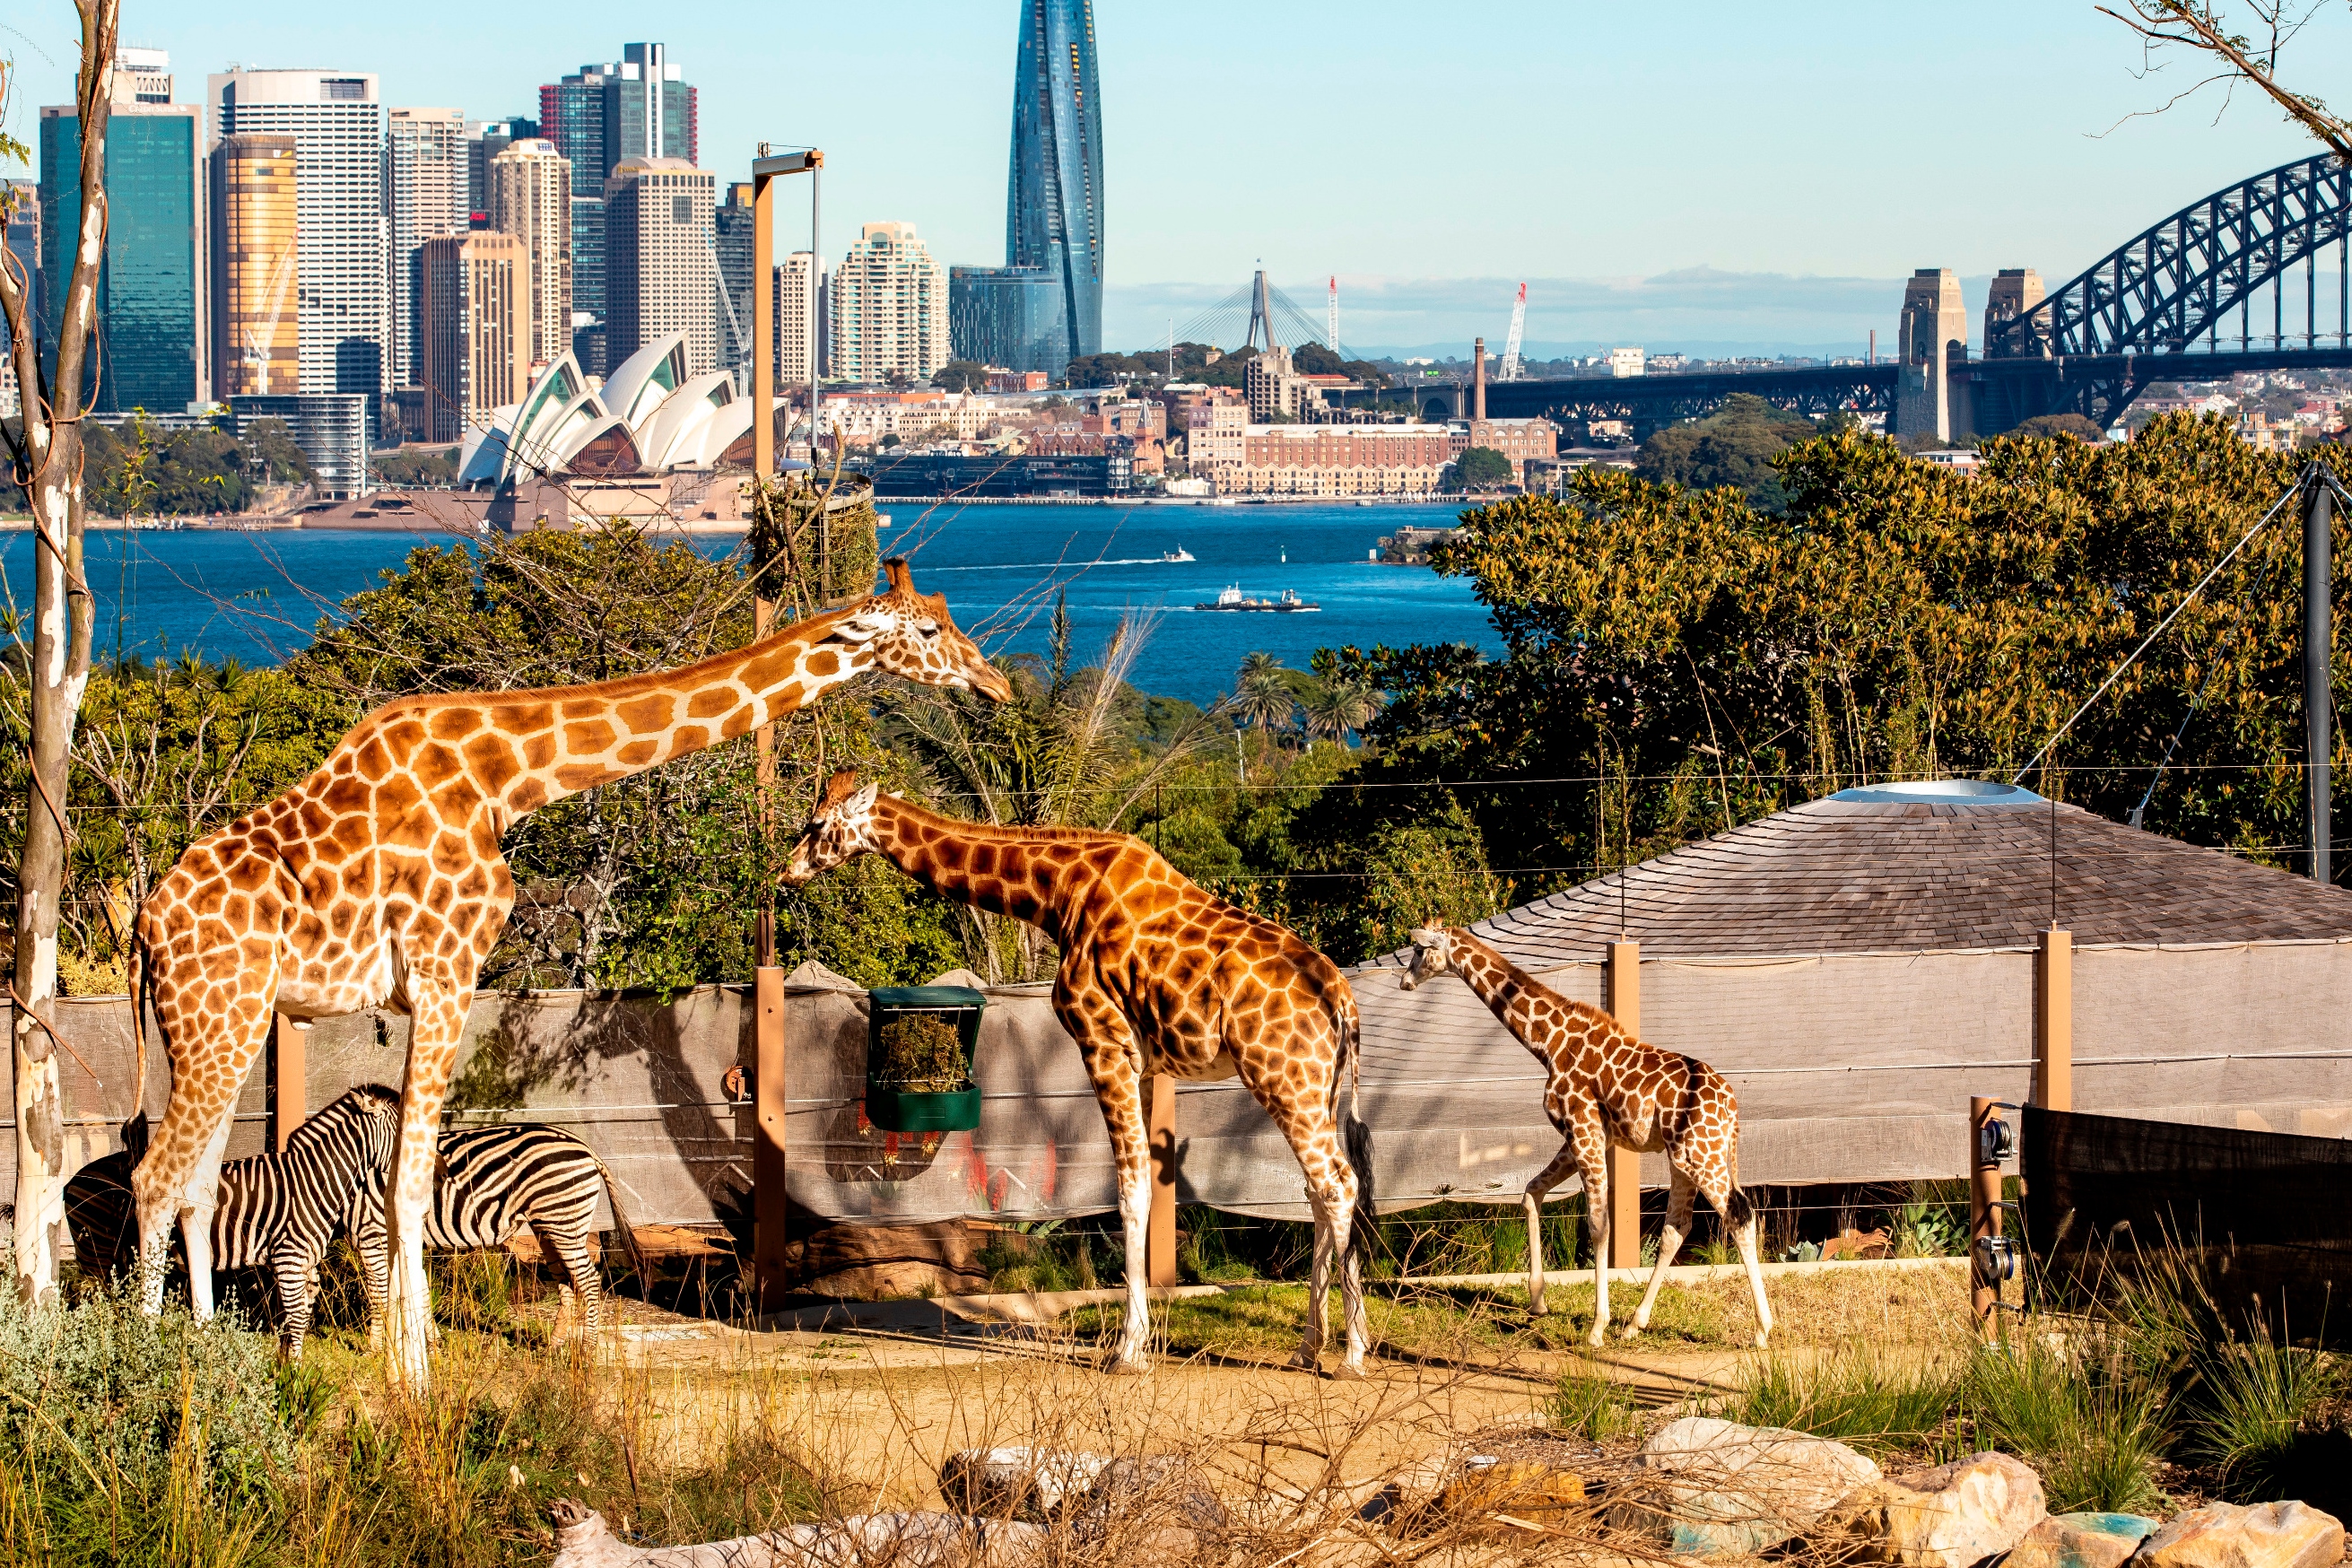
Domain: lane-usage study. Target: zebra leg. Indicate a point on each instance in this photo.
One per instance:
(295, 1268)
(368, 1241)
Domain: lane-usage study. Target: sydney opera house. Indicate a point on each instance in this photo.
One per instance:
(648, 419)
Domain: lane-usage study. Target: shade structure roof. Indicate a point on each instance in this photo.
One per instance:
(1931, 867)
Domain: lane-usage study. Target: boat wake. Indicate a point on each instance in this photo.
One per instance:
(1053, 565)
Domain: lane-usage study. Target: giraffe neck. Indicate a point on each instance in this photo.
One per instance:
(563, 740)
(999, 870)
(1509, 991)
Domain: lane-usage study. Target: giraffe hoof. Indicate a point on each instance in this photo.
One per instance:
(1347, 1373)
(1763, 1338)
(1596, 1338)
(1306, 1361)
(1125, 1367)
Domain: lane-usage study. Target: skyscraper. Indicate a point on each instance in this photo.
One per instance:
(425, 195)
(473, 294)
(256, 341)
(639, 106)
(1054, 197)
(658, 276)
(531, 198)
(794, 318)
(889, 307)
(341, 282)
(1017, 317)
(485, 140)
(732, 241)
(154, 333)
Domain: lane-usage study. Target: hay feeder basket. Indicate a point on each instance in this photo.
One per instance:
(919, 1041)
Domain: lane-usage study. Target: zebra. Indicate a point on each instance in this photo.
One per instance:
(277, 1211)
(489, 1183)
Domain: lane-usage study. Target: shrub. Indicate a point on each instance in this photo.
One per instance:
(1596, 1408)
(1878, 1404)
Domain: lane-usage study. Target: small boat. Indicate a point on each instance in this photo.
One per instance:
(1233, 599)
(1178, 554)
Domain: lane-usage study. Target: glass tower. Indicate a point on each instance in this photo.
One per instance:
(1053, 208)
(639, 106)
(1009, 316)
(150, 326)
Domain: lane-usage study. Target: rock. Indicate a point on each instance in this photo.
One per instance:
(2082, 1541)
(1166, 1488)
(2266, 1535)
(1703, 1486)
(870, 1262)
(1035, 1484)
(1953, 1516)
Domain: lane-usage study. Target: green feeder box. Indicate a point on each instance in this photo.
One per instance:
(919, 1041)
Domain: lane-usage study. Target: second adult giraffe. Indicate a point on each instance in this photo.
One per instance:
(1157, 976)
(378, 880)
(1604, 1086)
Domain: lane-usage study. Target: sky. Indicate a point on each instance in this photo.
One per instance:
(1706, 177)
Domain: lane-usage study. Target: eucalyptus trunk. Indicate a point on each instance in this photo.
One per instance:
(47, 455)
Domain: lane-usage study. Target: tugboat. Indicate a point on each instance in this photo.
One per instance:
(1178, 554)
(1232, 599)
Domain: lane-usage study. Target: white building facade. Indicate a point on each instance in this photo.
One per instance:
(343, 302)
(425, 197)
(889, 308)
(530, 197)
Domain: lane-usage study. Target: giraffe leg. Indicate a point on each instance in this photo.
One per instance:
(1547, 1178)
(438, 1013)
(1678, 1224)
(1115, 1066)
(178, 1180)
(1132, 1157)
(1739, 1213)
(199, 1202)
(1591, 1145)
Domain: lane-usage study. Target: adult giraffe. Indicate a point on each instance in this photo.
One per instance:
(378, 880)
(1605, 1086)
(1157, 976)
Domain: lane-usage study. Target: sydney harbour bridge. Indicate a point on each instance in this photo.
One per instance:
(2183, 300)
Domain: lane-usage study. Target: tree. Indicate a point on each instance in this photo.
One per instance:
(1263, 694)
(47, 462)
(272, 455)
(1733, 446)
(2207, 27)
(2073, 424)
(962, 375)
(1483, 468)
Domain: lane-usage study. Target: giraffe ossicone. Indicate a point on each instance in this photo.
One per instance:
(378, 881)
(1603, 1086)
(1157, 976)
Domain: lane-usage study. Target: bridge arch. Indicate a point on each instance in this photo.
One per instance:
(2173, 284)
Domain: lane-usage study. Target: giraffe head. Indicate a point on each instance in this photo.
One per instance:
(1432, 955)
(840, 830)
(911, 634)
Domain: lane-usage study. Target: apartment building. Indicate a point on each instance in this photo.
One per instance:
(889, 308)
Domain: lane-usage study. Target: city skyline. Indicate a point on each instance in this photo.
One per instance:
(1786, 211)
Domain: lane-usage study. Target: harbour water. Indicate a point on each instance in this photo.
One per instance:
(259, 596)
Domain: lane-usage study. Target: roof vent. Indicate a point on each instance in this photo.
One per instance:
(1941, 792)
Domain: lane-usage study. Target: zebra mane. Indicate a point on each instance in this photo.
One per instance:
(357, 1124)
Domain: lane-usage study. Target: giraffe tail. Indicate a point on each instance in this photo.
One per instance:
(1355, 1132)
(629, 1242)
(134, 963)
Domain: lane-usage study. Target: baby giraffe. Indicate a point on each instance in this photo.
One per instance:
(1606, 1087)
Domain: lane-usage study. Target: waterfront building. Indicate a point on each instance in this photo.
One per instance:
(425, 195)
(531, 198)
(485, 140)
(153, 330)
(795, 319)
(1002, 378)
(256, 337)
(1054, 193)
(902, 473)
(660, 278)
(1338, 460)
(889, 308)
(331, 428)
(342, 288)
(1520, 440)
(1017, 317)
(1216, 436)
(474, 297)
(731, 245)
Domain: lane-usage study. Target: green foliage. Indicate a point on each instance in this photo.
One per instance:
(1734, 446)
(1597, 1409)
(1483, 468)
(2090, 1420)
(2074, 424)
(1879, 1402)
(962, 375)
(404, 467)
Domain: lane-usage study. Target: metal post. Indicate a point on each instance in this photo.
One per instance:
(2318, 658)
(1159, 1234)
(816, 284)
(768, 1085)
(1625, 1164)
(1984, 1208)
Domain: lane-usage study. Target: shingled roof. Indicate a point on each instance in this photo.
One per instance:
(1912, 868)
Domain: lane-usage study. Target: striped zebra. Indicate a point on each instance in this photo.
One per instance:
(489, 1183)
(277, 1211)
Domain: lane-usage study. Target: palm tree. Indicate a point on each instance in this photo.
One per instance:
(1262, 693)
(1342, 705)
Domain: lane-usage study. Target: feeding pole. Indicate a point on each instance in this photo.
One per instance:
(2318, 655)
(768, 988)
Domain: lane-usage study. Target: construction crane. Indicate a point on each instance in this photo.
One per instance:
(1331, 319)
(258, 345)
(742, 376)
(1519, 327)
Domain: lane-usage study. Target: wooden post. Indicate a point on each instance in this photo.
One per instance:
(289, 1096)
(1625, 1164)
(2053, 1020)
(768, 1088)
(1984, 1208)
(1160, 1246)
